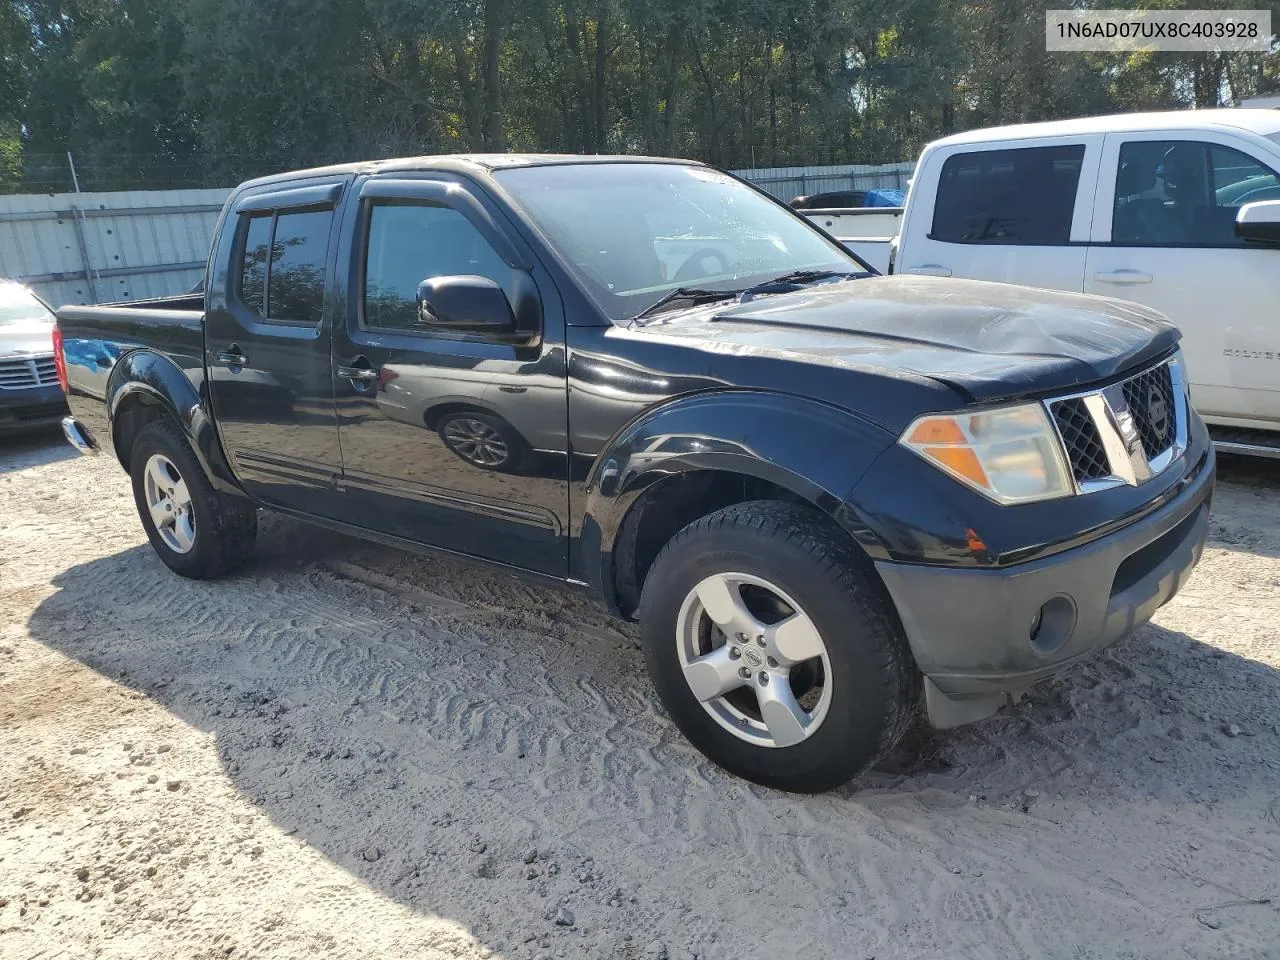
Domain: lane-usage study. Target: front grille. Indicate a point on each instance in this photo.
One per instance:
(18, 374)
(1116, 434)
(1150, 399)
(1083, 443)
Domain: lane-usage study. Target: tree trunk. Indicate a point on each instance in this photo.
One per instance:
(671, 90)
(495, 134)
(713, 105)
(599, 105)
(468, 91)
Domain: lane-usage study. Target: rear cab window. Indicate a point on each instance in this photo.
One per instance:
(1022, 195)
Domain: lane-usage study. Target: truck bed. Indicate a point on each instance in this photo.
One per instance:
(866, 232)
(96, 338)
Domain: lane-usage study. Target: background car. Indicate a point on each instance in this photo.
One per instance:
(842, 199)
(30, 394)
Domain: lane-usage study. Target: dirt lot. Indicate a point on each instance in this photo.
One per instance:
(352, 752)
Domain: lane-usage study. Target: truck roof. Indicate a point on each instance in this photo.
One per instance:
(1263, 122)
(460, 162)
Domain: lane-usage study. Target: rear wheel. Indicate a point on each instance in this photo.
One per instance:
(775, 648)
(196, 531)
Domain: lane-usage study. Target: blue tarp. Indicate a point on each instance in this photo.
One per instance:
(885, 197)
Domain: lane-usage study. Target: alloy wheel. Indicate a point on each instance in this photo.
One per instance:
(169, 502)
(754, 659)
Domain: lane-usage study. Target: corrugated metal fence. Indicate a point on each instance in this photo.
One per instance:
(97, 247)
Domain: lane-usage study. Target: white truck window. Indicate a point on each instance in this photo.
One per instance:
(1019, 196)
(1185, 193)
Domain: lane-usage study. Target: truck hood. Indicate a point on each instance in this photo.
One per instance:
(986, 341)
(26, 337)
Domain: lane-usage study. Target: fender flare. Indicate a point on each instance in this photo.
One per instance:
(145, 376)
(816, 451)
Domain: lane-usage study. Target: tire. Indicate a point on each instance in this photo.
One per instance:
(483, 440)
(217, 532)
(787, 565)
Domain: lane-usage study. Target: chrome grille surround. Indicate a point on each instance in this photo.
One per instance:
(1108, 435)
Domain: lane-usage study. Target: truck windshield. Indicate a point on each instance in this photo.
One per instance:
(18, 304)
(633, 232)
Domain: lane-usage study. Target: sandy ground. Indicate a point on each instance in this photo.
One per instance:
(347, 751)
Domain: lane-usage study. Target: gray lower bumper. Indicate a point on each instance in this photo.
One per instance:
(31, 407)
(971, 631)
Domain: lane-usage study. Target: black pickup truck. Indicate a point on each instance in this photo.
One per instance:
(832, 499)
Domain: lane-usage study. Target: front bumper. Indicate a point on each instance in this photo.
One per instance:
(31, 408)
(971, 630)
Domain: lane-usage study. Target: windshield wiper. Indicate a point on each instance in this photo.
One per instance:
(796, 280)
(693, 295)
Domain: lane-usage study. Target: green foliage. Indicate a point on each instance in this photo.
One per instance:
(184, 92)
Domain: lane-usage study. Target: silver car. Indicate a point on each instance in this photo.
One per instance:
(30, 394)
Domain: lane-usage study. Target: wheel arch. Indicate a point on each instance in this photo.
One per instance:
(146, 386)
(698, 454)
(433, 414)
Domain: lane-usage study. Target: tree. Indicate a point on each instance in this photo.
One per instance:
(162, 92)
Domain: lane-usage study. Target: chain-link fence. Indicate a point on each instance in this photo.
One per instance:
(45, 173)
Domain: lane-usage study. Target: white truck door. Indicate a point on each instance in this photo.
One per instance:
(1164, 236)
(1015, 211)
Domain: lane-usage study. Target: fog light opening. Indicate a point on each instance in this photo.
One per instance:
(1052, 625)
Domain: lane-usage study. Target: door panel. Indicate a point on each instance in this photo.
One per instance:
(1019, 213)
(453, 440)
(1164, 237)
(268, 349)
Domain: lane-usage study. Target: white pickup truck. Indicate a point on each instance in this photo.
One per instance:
(1176, 211)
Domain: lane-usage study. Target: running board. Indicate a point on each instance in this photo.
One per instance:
(1249, 443)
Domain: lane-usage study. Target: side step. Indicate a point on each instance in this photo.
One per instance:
(1250, 443)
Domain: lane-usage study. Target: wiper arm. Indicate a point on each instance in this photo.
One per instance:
(692, 295)
(796, 280)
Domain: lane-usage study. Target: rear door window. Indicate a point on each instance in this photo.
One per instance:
(283, 266)
(299, 252)
(257, 254)
(1019, 196)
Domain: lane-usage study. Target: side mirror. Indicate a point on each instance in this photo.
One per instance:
(466, 304)
(1259, 222)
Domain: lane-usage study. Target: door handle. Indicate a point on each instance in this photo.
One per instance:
(233, 356)
(513, 389)
(360, 373)
(929, 270)
(1122, 276)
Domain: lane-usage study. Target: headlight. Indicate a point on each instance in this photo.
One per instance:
(1011, 455)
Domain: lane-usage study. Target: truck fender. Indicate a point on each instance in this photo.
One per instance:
(146, 377)
(816, 451)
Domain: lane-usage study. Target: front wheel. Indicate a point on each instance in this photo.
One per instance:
(196, 531)
(775, 648)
